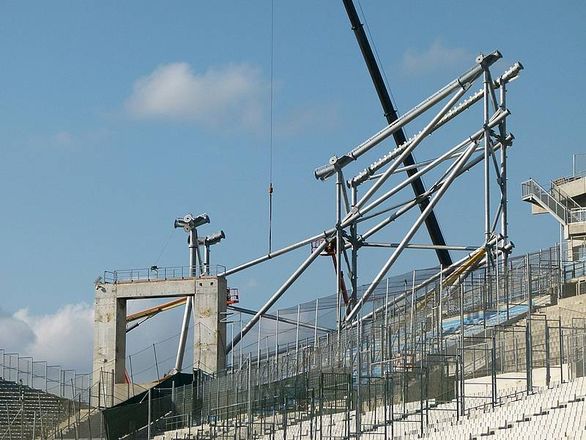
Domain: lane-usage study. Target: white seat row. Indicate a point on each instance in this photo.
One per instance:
(555, 413)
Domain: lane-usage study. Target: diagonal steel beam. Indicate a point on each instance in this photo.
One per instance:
(431, 222)
(279, 318)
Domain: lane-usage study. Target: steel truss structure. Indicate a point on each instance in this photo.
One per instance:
(361, 215)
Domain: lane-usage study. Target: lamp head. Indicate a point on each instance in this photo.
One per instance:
(214, 238)
(189, 222)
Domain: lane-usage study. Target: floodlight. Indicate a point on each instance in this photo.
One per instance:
(189, 222)
(207, 242)
(214, 238)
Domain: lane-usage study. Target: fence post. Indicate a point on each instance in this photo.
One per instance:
(493, 370)
(149, 415)
(547, 356)
(112, 379)
(528, 335)
(561, 351)
(457, 387)
(528, 356)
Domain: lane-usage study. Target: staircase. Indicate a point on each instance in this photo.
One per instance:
(557, 203)
(26, 412)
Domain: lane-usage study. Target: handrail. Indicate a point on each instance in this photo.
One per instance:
(156, 273)
(564, 198)
(530, 188)
(578, 215)
(557, 201)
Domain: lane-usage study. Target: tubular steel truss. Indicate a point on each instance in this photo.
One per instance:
(360, 217)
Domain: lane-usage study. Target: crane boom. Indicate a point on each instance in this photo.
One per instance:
(390, 113)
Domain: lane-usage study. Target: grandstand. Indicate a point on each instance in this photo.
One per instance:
(492, 345)
(371, 383)
(372, 380)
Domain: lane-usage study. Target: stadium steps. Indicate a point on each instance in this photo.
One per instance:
(551, 413)
(82, 424)
(24, 410)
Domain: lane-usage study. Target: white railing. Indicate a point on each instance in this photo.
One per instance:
(531, 189)
(556, 201)
(578, 215)
(562, 197)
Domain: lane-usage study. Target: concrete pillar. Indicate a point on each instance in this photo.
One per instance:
(109, 341)
(209, 305)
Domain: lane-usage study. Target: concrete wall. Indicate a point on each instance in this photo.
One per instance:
(576, 189)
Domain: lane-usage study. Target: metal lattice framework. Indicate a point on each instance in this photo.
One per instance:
(367, 205)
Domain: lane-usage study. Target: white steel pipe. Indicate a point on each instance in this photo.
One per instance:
(508, 76)
(278, 294)
(193, 256)
(451, 177)
(407, 151)
(464, 80)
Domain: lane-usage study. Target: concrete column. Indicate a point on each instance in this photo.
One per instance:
(109, 338)
(209, 349)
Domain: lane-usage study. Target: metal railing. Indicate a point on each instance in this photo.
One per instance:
(157, 274)
(563, 197)
(578, 215)
(555, 201)
(574, 269)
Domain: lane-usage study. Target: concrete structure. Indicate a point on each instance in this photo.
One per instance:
(566, 202)
(209, 296)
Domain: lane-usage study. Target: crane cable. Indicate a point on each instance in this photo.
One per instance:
(270, 238)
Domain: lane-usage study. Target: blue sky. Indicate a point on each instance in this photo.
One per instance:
(117, 117)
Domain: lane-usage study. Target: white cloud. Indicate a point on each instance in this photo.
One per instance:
(63, 337)
(437, 57)
(14, 333)
(230, 96)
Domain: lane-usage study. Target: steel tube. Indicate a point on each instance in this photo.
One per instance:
(278, 293)
(193, 257)
(451, 177)
(464, 80)
(504, 198)
(421, 246)
(416, 165)
(339, 244)
(487, 152)
(354, 236)
(277, 253)
(508, 76)
(206, 259)
(395, 215)
(277, 318)
(410, 148)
